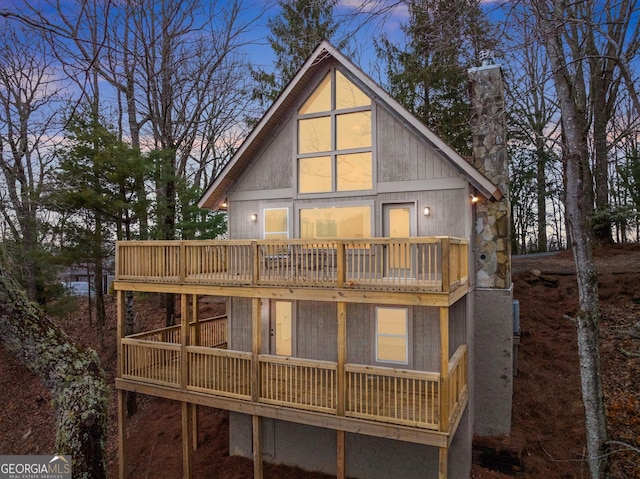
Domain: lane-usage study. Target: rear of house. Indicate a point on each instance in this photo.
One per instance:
(355, 333)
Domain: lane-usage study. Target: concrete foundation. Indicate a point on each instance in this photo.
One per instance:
(493, 361)
(367, 457)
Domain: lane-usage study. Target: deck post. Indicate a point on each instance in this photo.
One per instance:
(341, 379)
(445, 242)
(196, 340)
(443, 460)
(341, 469)
(257, 446)
(342, 357)
(122, 432)
(255, 349)
(255, 266)
(184, 340)
(122, 395)
(187, 437)
(444, 369)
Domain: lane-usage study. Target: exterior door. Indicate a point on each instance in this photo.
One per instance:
(398, 223)
(281, 328)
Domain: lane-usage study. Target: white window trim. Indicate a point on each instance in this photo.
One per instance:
(408, 338)
(264, 221)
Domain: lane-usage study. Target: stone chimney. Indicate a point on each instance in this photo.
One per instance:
(488, 126)
(493, 345)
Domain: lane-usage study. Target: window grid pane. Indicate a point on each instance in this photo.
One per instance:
(353, 130)
(354, 172)
(320, 99)
(315, 175)
(348, 95)
(314, 135)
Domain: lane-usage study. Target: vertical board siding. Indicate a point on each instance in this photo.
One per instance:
(240, 324)
(316, 330)
(273, 168)
(402, 155)
(426, 339)
(457, 325)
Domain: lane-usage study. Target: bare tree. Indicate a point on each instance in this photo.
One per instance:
(568, 66)
(533, 111)
(29, 105)
(176, 75)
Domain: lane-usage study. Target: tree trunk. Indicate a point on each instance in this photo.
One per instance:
(541, 177)
(74, 377)
(571, 92)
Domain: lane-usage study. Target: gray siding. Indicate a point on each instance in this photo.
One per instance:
(401, 156)
(457, 325)
(408, 170)
(240, 324)
(424, 336)
(426, 339)
(273, 169)
(316, 331)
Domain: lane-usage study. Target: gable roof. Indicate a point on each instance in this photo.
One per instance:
(216, 193)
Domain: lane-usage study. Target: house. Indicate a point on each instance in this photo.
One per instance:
(367, 278)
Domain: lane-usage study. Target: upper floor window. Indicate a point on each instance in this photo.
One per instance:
(276, 223)
(334, 138)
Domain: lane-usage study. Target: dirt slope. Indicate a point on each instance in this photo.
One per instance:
(548, 429)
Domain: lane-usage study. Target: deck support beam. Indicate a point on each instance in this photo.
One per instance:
(187, 440)
(195, 315)
(341, 456)
(443, 463)
(444, 369)
(122, 432)
(122, 395)
(257, 446)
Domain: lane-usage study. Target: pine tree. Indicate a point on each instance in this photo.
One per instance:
(295, 33)
(428, 76)
(95, 189)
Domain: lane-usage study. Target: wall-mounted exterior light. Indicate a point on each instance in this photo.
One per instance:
(474, 199)
(254, 217)
(426, 211)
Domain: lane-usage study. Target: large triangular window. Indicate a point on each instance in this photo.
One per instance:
(334, 138)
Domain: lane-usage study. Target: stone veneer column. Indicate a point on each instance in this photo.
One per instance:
(493, 246)
(492, 348)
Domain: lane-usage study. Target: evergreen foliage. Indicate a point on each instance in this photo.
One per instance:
(428, 76)
(295, 33)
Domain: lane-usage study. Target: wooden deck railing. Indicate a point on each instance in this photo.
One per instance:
(456, 383)
(210, 332)
(429, 263)
(395, 396)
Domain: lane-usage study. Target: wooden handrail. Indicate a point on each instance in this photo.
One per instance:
(391, 395)
(437, 264)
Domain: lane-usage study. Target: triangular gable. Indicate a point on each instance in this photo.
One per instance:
(216, 193)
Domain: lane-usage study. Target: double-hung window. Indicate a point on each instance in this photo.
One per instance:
(392, 335)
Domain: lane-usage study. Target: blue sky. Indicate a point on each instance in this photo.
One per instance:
(259, 11)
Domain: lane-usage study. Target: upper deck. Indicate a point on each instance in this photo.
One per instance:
(421, 265)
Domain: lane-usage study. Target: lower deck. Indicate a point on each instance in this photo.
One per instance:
(389, 400)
